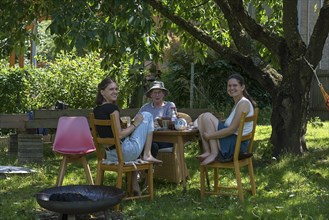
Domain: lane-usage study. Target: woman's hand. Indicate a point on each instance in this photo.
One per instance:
(206, 136)
(138, 119)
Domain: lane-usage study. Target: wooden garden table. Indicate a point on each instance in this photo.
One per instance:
(178, 138)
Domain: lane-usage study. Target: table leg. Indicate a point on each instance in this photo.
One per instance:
(180, 145)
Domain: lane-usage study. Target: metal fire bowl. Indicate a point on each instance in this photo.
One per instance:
(101, 199)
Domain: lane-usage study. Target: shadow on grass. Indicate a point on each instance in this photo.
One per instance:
(290, 188)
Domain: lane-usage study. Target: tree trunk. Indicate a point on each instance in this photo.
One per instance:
(290, 113)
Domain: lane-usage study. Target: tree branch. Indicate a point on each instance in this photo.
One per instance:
(290, 27)
(190, 28)
(199, 5)
(241, 40)
(273, 42)
(264, 74)
(319, 36)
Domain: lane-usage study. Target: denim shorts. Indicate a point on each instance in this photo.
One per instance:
(227, 144)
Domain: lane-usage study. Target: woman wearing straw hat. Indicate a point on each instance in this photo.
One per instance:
(158, 108)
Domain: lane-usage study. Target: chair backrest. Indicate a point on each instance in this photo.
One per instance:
(73, 136)
(101, 142)
(185, 116)
(249, 136)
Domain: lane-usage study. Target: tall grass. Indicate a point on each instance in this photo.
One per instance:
(290, 187)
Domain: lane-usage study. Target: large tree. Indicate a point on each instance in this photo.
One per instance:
(289, 82)
(267, 45)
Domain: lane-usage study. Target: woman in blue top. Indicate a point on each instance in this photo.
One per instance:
(218, 138)
(135, 138)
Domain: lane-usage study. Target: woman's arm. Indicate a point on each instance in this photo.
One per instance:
(242, 107)
(123, 132)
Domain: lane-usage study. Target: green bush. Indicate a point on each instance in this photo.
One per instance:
(69, 78)
(13, 88)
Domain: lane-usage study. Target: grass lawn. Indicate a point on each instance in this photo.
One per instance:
(292, 187)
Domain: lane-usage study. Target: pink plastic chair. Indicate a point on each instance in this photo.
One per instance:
(73, 141)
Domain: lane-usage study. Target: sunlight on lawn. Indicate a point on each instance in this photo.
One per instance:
(291, 187)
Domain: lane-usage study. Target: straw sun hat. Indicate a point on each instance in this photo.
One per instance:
(157, 85)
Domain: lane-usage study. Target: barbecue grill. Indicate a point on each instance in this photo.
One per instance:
(71, 200)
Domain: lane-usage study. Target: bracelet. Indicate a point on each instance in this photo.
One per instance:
(134, 125)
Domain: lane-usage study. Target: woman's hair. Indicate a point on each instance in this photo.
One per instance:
(101, 86)
(241, 81)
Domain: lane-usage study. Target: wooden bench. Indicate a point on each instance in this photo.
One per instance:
(49, 118)
(13, 121)
(28, 148)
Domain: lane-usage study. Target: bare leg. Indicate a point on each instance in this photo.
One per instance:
(205, 144)
(214, 152)
(208, 123)
(147, 156)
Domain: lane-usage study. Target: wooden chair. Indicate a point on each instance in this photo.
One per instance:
(185, 116)
(73, 141)
(238, 162)
(121, 167)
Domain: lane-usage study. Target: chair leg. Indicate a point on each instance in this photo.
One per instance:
(119, 179)
(207, 177)
(202, 174)
(216, 188)
(238, 181)
(62, 170)
(129, 183)
(118, 185)
(87, 170)
(99, 175)
(252, 178)
(150, 181)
